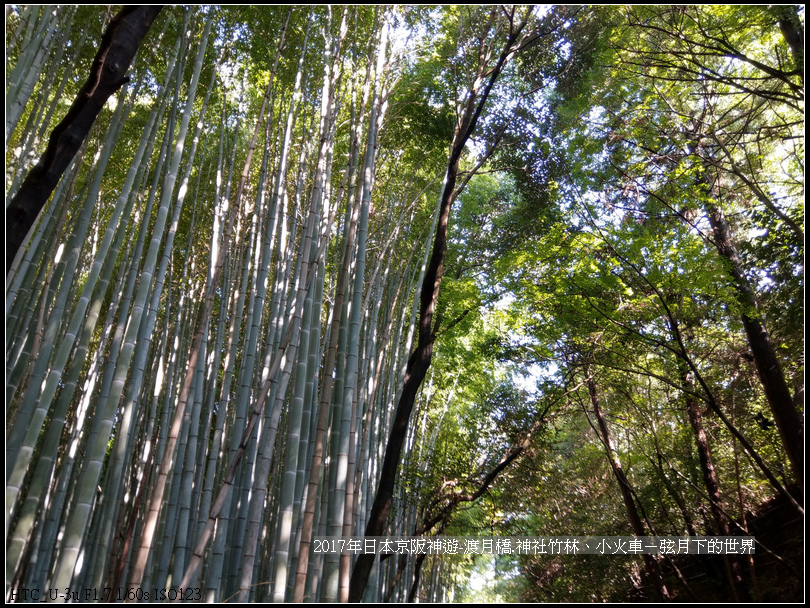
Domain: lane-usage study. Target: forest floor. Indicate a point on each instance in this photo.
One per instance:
(773, 574)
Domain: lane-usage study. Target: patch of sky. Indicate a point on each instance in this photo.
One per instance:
(597, 120)
(528, 377)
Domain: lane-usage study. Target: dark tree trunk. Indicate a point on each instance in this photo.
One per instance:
(415, 372)
(788, 420)
(417, 573)
(419, 361)
(674, 494)
(713, 490)
(653, 572)
(793, 32)
(108, 74)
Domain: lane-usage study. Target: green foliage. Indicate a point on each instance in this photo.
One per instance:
(421, 110)
(579, 247)
(601, 245)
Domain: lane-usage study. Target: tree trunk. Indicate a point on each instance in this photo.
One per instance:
(107, 74)
(713, 490)
(627, 493)
(787, 418)
(420, 359)
(793, 32)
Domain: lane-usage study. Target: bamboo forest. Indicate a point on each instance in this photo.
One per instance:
(279, 274)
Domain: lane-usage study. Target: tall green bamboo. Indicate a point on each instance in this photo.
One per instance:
(91, 469)
(29, 64)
